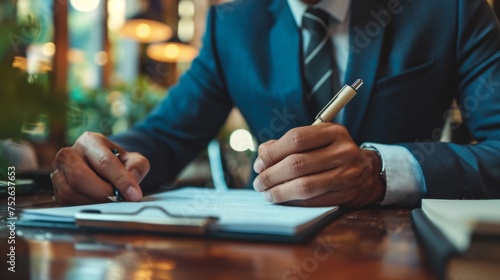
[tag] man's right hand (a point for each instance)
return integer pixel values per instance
(86, 172)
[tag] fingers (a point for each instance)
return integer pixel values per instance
(294, 166)
(97, 150)
(314, 191)
(136, 164)
(87, 172)
(295, 141)
(302, 188)
(259, 164)
(64, 194)
(265, 145)
(75, 182)
(315, 166)
(309, 162)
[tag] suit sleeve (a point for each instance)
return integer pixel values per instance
(470, 171)
(181, 126)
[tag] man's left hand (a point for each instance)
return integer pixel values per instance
(318, 165)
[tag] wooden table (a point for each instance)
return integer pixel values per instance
(361, 244)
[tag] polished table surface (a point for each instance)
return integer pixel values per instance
(369, 243)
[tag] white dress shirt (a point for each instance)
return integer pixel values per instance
(404, 177)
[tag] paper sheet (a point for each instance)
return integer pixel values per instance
(237, 210)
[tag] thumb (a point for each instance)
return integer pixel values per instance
(136, 164)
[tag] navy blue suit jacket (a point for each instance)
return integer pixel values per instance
(413, 65)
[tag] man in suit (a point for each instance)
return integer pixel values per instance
(277, 61)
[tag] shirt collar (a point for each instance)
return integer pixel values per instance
(336, 8)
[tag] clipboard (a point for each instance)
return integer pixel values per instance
(193, 225)
(226, 217)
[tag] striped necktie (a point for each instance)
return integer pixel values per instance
(320, 68)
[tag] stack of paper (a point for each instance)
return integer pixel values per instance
(238, 211)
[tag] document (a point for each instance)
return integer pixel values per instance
(456, 219)
(461, 237)
(236, 211)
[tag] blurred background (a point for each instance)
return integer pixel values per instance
(69, 66)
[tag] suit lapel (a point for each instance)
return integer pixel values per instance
(366, 38)
(285, 56)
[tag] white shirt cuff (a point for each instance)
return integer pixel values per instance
(405, 183)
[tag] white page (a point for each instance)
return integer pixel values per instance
(237, 210)
(455, 217)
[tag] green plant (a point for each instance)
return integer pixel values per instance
(110, 110)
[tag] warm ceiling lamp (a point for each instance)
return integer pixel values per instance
(38, 58)
(172, 52)
(146, 30)
(41, 66)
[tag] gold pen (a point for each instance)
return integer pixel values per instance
(338, 102)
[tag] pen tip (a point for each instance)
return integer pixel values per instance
(357, 84)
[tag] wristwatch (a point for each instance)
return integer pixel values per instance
(382, 173)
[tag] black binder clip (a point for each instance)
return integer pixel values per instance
(132, 221)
